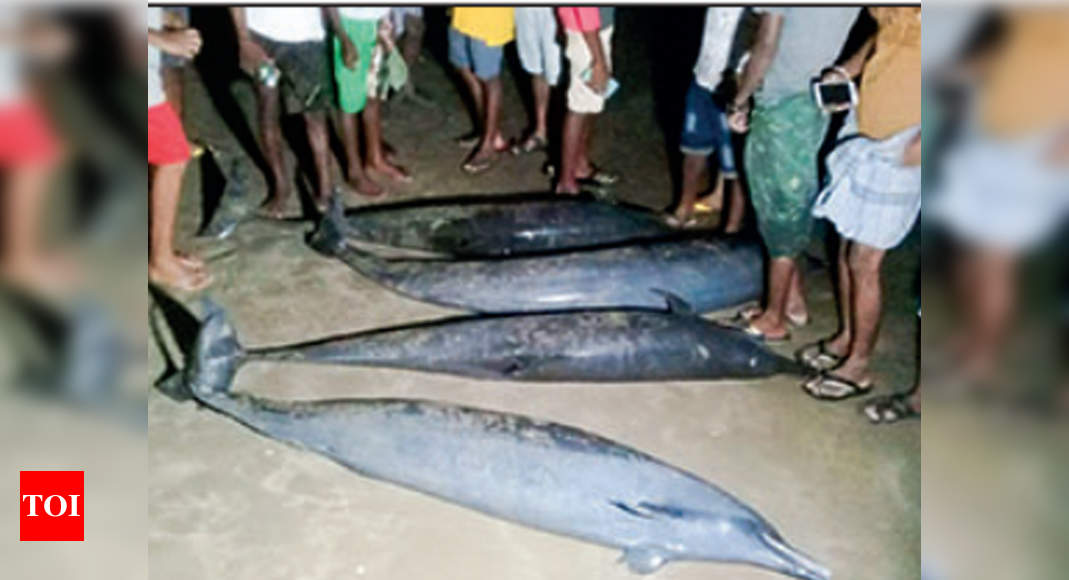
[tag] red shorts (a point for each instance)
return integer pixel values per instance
(167, 143)
(26, 136)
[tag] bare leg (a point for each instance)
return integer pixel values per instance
(736, 207)
(839, 344)
(571, 142)
(412, 43)
(23, 261)
(491, 142)
(695, 174)
(354, 167)
(796, 305)
(583, 167)
(475, 90)
(315, 125)
(271, 142)
(772, 322)
(867, 305)
(541, 106)
(164, 265)
(376, 156)
(991, 311)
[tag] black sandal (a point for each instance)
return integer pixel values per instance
(817, 357)
(890, 409)
(829, 387)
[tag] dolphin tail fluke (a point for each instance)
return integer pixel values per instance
(793, 562)
(216, 354)
(329, 237)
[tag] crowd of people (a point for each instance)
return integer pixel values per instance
(751, 135)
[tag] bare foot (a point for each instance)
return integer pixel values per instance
(172, 274)
(390, 170)
(273, 208)
(364, 185)
(42, 273)
(855, 371)
(769, 328)
(189, 261)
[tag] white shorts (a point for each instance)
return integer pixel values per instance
(581, 98)
(871, 197)
(1002, 193)
(536, 42)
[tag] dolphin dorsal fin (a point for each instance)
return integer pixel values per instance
(644, 559)
(676, 305)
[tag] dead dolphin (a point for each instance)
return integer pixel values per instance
(708, 274)
(485, 226)
(544, 475)
(598, 345)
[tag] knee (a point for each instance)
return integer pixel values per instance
(865, 260)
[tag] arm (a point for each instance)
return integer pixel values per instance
(856, 63)
(184, 42)
(349, 54)
(764, 50)
(250, 54)
(599, 68)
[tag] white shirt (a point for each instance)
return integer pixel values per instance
(287, 24)
(155, 78)
(373, 13)
(717, 41)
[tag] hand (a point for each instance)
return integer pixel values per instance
(349, 55)
(912, 155)
(184, 42)
(739, 116)
(599, 78)
(251, 56)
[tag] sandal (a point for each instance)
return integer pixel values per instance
(532, 144)
(677, 223)
(755, 333)
(829, 387)
(890, 409)
(598, 177)
(477, 165)
(468, 140)
(817, 357)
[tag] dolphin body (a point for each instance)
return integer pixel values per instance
(544, 475)
(708, 274)
(485, 226)
(600, 345)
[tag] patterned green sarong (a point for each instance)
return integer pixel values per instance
(781, 165)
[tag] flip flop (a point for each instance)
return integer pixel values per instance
(468, 140)
(476, 166)
(702, 207)
(532, 144)
(817, 357)
(890, 409)
(752, 331)
(681, 224)
(598, 177)
(829, 387)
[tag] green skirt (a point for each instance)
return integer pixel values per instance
(781, 167)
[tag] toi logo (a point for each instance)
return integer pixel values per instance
(51, 506)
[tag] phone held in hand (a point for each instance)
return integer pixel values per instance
(835, 94)
(610, 87)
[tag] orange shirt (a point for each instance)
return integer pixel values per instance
(1027, 89)
(889, 98)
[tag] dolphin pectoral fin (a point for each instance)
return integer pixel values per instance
(675, 304)
(644, 559)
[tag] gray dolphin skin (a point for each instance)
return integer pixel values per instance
(707, 274)
(608, 345)
(544, 475)
(490, 226)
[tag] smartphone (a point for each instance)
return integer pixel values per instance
(610, 87)
(834, 94)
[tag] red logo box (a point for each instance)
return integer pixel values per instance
(51, 506)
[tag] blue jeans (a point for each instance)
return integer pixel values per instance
(705, 129)
(472, 53)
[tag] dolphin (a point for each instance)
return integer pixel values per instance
(490, 226)
(709, 274)
(596, 345)
(541, 474)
